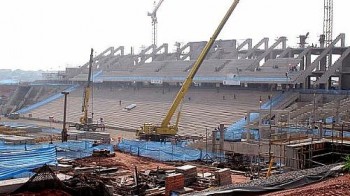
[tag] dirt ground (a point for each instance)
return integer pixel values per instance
(335, 186)
(125, 161)
(128, 162)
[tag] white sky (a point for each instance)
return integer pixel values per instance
(51, 35)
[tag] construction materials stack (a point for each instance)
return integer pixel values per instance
(223, 177)
(189, 172)
(174, 182)
(97, 136)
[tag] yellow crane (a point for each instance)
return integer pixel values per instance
(269, 170)
(154, 132)
(85, 122)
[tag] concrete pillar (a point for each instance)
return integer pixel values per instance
(214, 141)
(277, 119)
(345, 81)
(323, 63)
(308, 59)
(222, 137)
(284, 42)
(248, 126)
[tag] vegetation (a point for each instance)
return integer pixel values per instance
(347, 163)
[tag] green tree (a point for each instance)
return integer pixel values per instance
(347, 163)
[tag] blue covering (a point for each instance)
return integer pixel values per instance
(79, 149)
(9, 81)
(162, 151)
(46, 101)
(18, 162)
(53, 97)
(234, 131)
(94, 76)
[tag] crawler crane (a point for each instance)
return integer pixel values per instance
(165, 130)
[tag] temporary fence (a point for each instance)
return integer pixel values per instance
(15, 163)
(19, 160)
(164, 151)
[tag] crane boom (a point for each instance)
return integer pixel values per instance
(149, 131)
(86, 123)
(90, 67)
(180, 95)
(85, 106)
(154, 12)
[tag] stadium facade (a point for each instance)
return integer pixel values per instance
(247, 64)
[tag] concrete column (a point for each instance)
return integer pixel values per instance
(323, 63)
(222, 137)
(214, 141)
(248, 126)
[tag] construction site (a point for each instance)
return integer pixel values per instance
(216, 117)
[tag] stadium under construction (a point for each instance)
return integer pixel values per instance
(258, 108)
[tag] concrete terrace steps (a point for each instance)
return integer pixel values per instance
(205, 110)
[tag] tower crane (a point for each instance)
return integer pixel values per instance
(156, 132)
(153, 16)
(328, 21)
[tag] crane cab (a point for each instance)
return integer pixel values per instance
(154, 133)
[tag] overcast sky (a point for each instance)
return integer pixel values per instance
(51, 35)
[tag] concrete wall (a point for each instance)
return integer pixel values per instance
(345, 82)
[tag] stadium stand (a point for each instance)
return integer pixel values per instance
(151, 78)
(202, 108)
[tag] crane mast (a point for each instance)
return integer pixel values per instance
(87, 91)
(149, 130)
(84, 122)
(153, 16)
(328, 21)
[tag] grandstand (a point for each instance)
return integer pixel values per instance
(246, 64)
(228, 84)
(202, 108)
(257, 100)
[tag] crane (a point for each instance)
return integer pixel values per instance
(153, 132)
(328, 21)
(153, 16)
(85, 122)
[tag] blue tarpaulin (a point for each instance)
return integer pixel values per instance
(19, 160)
(234, 131)
(164, 151)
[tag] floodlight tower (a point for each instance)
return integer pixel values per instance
(153, 16)
(328, 21)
